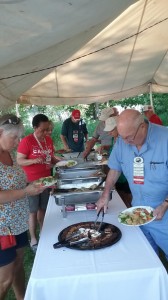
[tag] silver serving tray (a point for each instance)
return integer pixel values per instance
(79, 182)
(79, 197)
(81, 165)
(78, 155)
(80, 173)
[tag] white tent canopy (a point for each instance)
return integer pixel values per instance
(89, 50)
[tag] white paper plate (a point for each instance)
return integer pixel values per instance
(123, 216)
(46, 181)
(66, 163)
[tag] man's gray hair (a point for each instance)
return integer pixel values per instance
(139, 120)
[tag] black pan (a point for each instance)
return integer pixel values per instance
(110, 234)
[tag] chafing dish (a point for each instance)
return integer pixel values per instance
(77, 198)
(79, 182)
(75, 172)
(74, 155)
(85, 176)
(81, 165)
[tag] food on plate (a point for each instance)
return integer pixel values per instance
(66, 163)
(45, 181)
(71, 163)
(137, 216)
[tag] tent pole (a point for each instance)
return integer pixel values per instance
(96, 110)
(17, 109)
(150, 93)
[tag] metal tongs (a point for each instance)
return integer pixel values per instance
(102, 218)
(69, 242)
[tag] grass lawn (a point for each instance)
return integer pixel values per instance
(28, 263)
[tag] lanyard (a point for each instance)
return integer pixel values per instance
(41, 147)
(46, 152)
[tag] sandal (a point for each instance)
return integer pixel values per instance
(34, 247)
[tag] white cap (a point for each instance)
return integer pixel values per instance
(110, 124)
(106, 113)
(147, 107)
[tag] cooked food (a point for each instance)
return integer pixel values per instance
(137, 216)
(84, 189)
(45, 181)
(71, 163)
(95, 239)
(98, 173)
(81, 189)
(88, 232)
(93, 187)
(66, 163)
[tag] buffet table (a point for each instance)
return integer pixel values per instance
(127, 270)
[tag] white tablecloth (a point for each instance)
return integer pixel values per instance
(128, 270)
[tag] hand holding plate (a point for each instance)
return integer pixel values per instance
(32, 190)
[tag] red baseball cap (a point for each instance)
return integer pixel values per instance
(76, 114)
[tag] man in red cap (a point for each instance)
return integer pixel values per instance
(73, 132)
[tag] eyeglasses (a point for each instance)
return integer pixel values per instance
(131, 139)
(13, 121)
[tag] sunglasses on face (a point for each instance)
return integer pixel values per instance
(13, 121)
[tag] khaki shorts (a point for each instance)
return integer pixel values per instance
(39, 201)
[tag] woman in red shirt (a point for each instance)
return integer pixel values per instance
(36, 156)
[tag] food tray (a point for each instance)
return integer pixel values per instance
(79, 182)
(74, 155)
(80, 173)
(78, 198)
(81, 164)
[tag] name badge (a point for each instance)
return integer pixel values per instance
(75, 135)
(138, 170)
(48, 158)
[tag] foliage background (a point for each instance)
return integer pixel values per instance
(89, 112)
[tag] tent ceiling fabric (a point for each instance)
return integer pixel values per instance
(101, 50)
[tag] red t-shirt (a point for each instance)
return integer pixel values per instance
(155, 119)
(30, 147)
